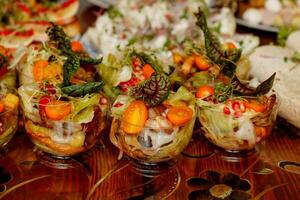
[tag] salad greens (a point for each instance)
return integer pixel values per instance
(82, 89)
(59, 38)
(224, 58)
(182, 94)
(84, 108)
(153, 91)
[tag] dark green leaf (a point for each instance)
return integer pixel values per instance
(90, 61)
(82, 89)
(59, 37)
(214, 51)
(153, 91)
(70, 67)
(265, 86)
(147, 59)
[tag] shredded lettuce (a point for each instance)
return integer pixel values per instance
(182, 94)
(123, 101)
(201, 78)
(83, 111)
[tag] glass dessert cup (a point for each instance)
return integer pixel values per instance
(8, 118)
(236, 133)
(154, 148)
(60, 138)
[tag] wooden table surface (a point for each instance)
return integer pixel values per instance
(271, 172)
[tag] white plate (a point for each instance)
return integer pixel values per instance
(261, 27)
(102, 3)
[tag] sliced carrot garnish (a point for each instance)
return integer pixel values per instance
(135, 117)
(38, 69)
(148, 71)
(201, 62)
(255, 105)
(57, 110)
(204, 91)
(180, 115)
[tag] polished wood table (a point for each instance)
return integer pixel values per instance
(270, 172)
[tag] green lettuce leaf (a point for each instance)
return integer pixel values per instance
(83, 108)
(182, 94)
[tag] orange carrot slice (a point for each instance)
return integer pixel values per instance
(57, 110)
(201, 62)
(204, 91)
(38, 69)
(255, 105)
(179, 115)
(135, 117)
(148, 71)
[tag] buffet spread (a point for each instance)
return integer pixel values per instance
(149, 75)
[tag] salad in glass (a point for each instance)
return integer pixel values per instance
(64, 112)
(234, 115)
(150, 122)
(9, 101)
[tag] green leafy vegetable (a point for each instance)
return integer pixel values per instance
(82, 106)
(223, 92)
(182, 94)
(71, 65)
(243, 90)
(153, 91)
(283, 34)
(90, 61)
(59, 37)
(265, 86)
(82, 89)
(225, 58)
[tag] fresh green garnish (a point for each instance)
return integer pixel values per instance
(224, 58)
(242, 90)
(223, 91)
(82, 89)
(70, 67)
(63, 43)
(296, 57)
(153, 91)
(283, 34)
(113, 12)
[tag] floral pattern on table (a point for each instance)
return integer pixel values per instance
(214, 185)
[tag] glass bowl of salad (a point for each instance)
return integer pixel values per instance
(60, 124)
(9, 111)
(152, 134)
(239, 122)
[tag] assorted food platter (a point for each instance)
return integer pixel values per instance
(139, 73)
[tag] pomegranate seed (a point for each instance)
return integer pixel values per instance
(226, 110)
(237, 114)
(236, 105)
(136, 62)
(44, 101)
(118, 105)
(103, 101)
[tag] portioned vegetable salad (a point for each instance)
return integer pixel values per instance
(63, 107)
(233, 115)
(9, 110)
(150, 122)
